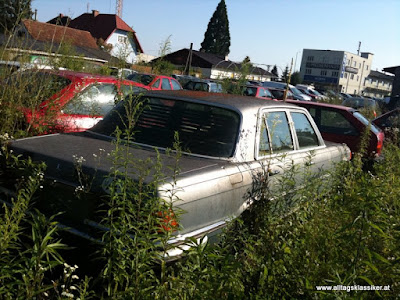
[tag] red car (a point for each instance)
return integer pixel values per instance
(74, 101)
(156, 82)
(342, 124)
(258, 92)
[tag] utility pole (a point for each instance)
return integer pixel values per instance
(288, 82)
(118, 9)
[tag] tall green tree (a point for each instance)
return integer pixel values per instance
(285, 74)
(275, 71)
(12, 12)
(217, 39)
(295, 78)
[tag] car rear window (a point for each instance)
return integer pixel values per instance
(145, 79)
(365, 121)
(203, 129)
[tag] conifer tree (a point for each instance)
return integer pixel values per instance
(217, 39)
(275, 71)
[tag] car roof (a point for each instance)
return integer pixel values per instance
(321, 104)
(230, 100)
(68, 73)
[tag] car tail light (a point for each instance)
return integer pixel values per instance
(167, 220)
(379, 143)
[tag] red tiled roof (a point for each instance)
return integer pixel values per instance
(102, 25)
(45, 32)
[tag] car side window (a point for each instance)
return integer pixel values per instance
(267, 93)
(165, 84)
(175, 85)
(264, 144)
(279, 131)
(94, 100)
(157, 83)
(334, 122)
(306, 135)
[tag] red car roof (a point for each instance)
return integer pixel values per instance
(310, 103)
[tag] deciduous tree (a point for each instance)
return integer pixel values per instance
(12, 12)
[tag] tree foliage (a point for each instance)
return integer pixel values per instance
(217, 39)
(275, 71)
(295, 78)
(285, 74)
(12, 12)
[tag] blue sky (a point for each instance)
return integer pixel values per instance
(270, 32)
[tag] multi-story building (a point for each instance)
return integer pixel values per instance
(378, 84)
(339, 70)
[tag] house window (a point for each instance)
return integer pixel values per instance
(355, 64)
(310, 58)
(345, 75)
(323, 72)
(366, 67)
(352, 76)
(335, 73)
(358, 77)
(308, 71)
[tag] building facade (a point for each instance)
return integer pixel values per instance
(338, 70)
(378, 85)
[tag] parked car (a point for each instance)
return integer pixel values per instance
(121, 73)
(361, 102)
(218, 167)
(388, 120)
(156, 82)
(297, 95)
(389, 123)
(69, 101)
(310, 91)
(183, 79)
(258, 92)
(331, 94)
(342, 124)
(278, 93)
(203, 85)
(345, 95)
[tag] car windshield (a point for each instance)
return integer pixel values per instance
(315, 92)
(203, 129)
(365, 121)
(145, 79)
(295, 91)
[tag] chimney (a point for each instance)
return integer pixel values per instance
(226, 58)
(95, 12)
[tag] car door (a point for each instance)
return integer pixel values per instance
(336, 127)
(288, 139)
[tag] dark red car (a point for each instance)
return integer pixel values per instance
(69, 101)
(342, 124)
(156, 82)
